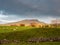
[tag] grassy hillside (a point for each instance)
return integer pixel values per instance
(25, 33)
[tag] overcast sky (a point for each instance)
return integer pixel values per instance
(15, 10)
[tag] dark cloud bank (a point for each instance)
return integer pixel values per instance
(31, 8)
(21, 7)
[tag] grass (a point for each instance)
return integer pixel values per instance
(25, 33)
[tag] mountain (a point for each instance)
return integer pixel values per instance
(27, 22)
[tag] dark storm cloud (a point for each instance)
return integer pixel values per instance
(26, 7)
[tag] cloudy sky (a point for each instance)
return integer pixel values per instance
(15, 10)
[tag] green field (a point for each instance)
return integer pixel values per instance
(22, 34)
